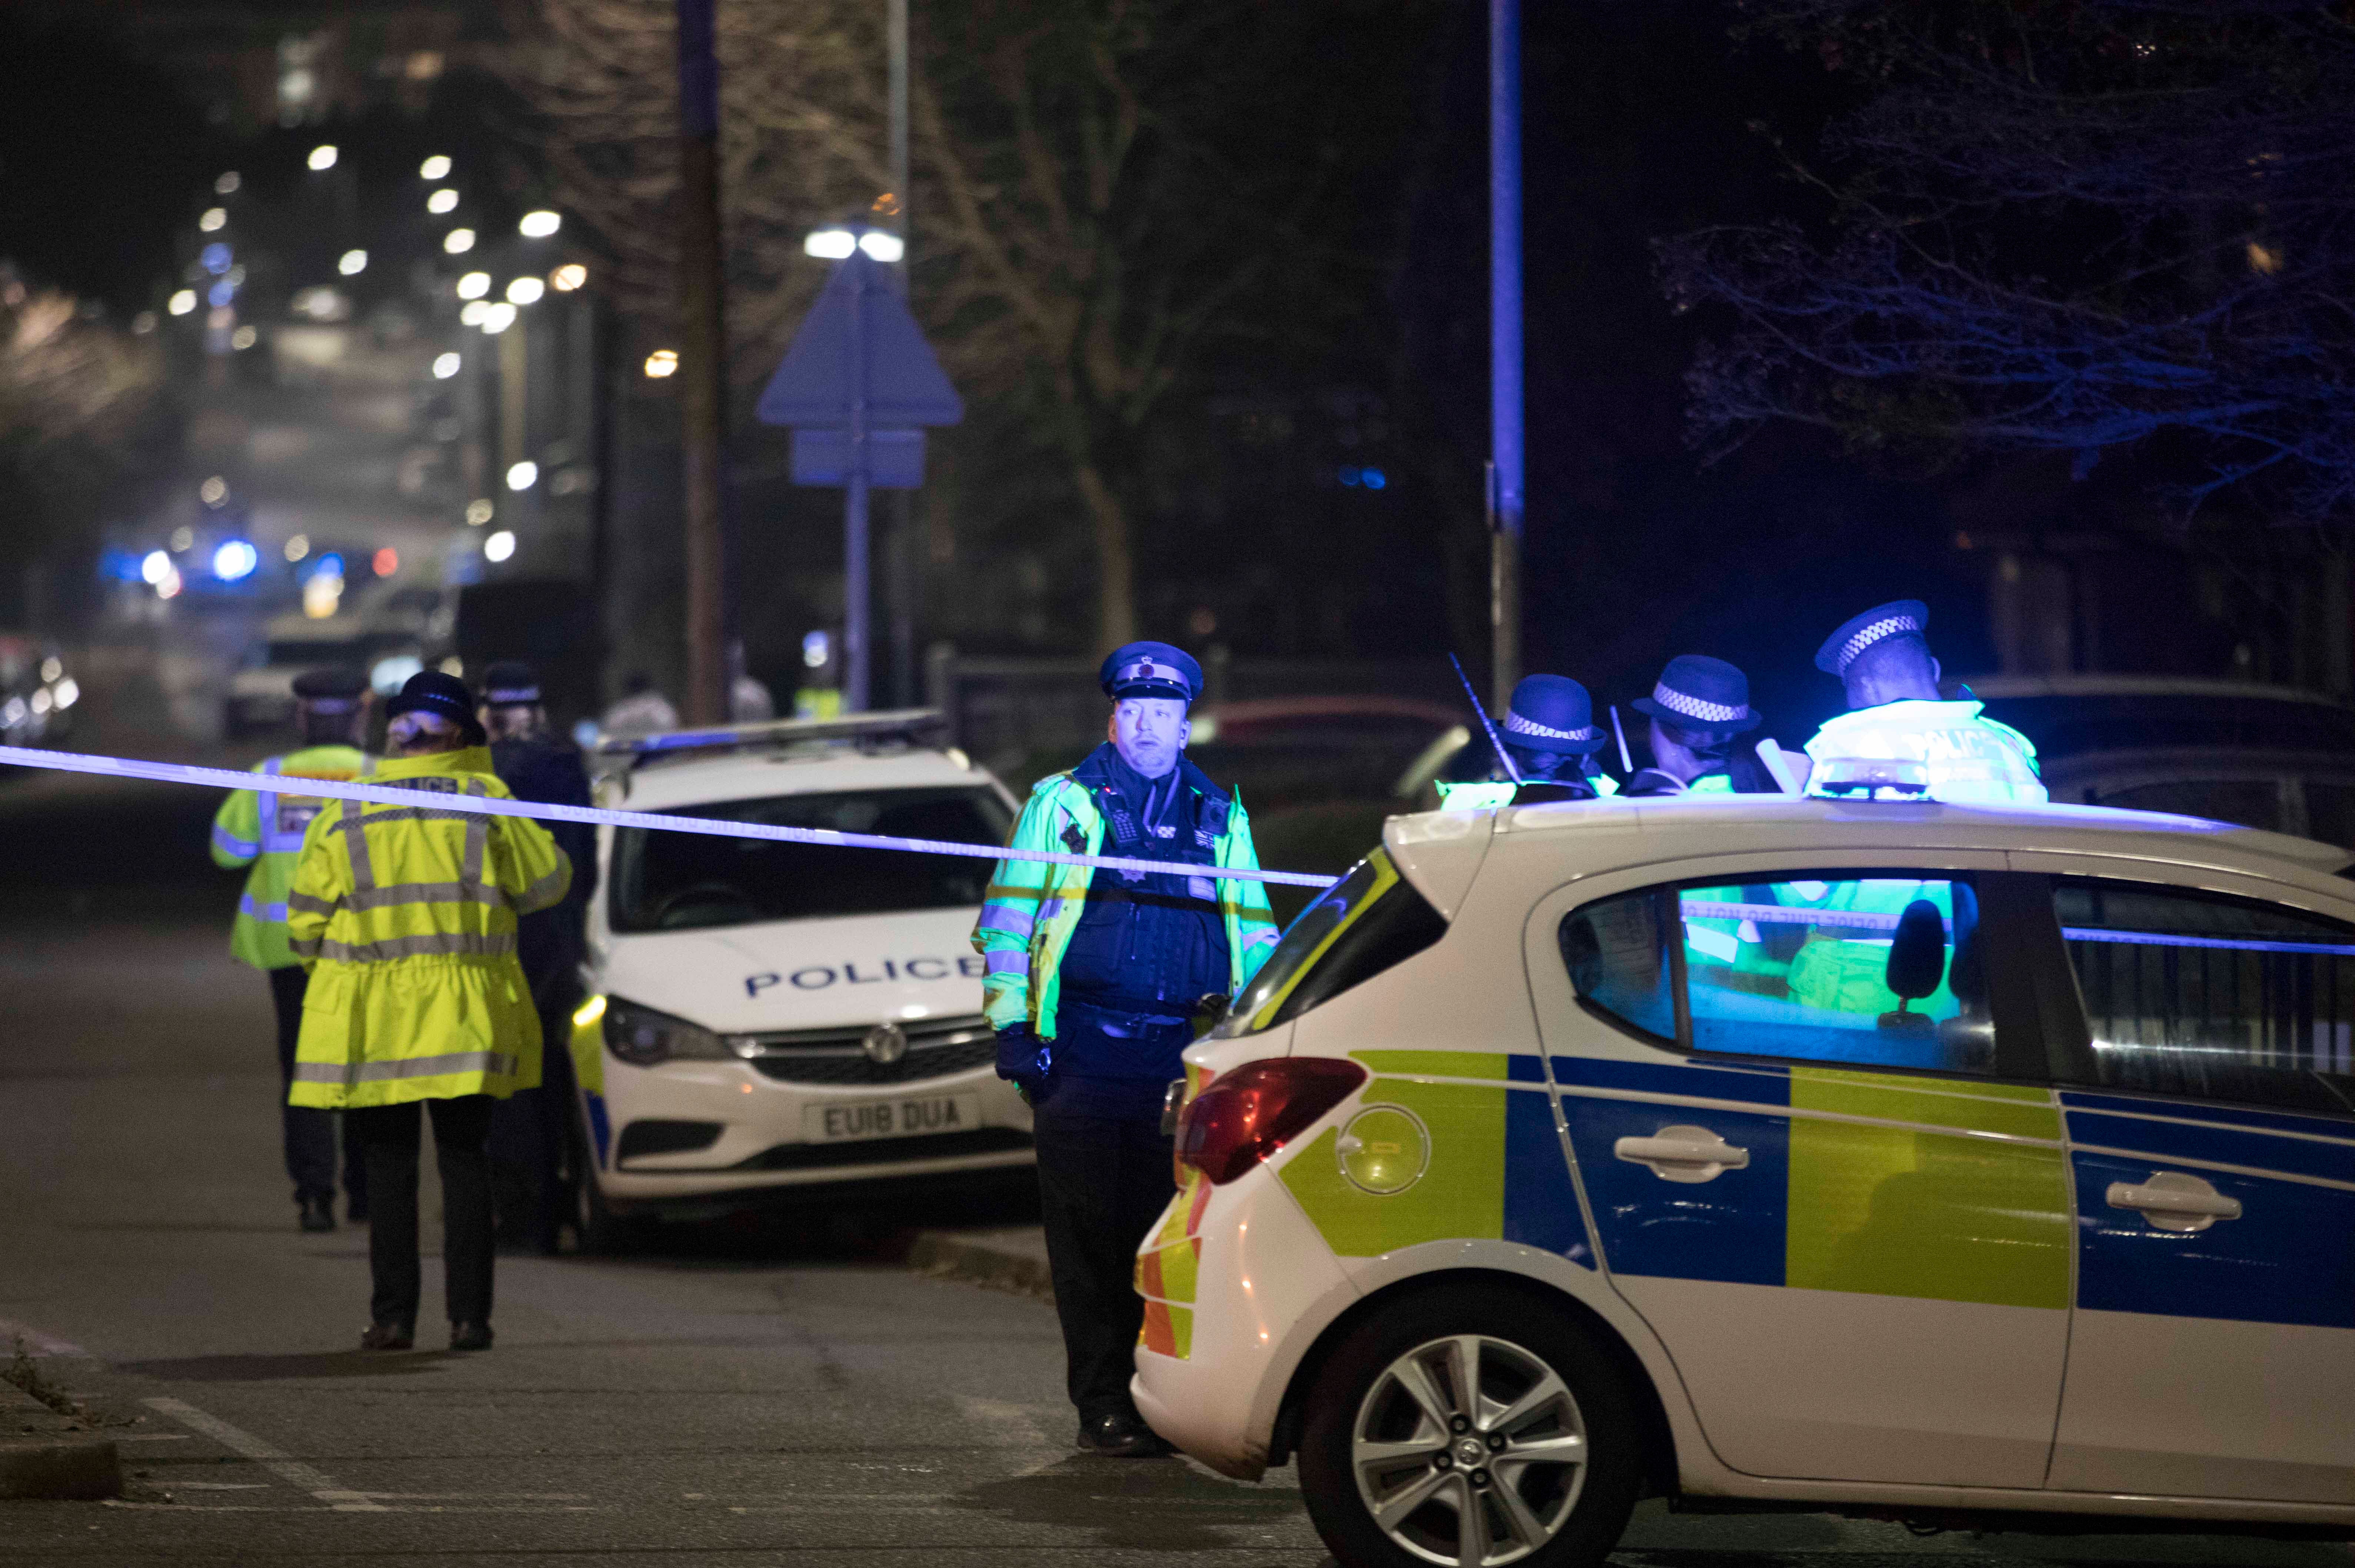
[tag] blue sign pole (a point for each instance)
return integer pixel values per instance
(855, 590)
(1505, 401)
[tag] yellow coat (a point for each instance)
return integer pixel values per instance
(406, 916)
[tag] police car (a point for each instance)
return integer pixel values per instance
(1924, 1161)
(765, 1016)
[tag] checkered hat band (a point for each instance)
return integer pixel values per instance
(504, 696)
(326, 705)
(1872, 633)
(1145, 669)
(1676, 701)
(1520, 726)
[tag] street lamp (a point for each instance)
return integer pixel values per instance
(458, 241)
(322, 157)
(227, 185)
(568, 277)
(526, 290)
(662, 362)
(445, 366)
(213, 219)
(473, 312)
(352, 262)
(497, 318)
(441, 201)
(433, 168)
(473, 285)
(182, 303)
(499, 546)
(523, 475)
(539, 225)
(836, 244)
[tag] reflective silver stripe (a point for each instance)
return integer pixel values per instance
(246, 906)
(224, 839)
(1008, 918)
(432, 945)
(1004, 963)
(478, 834)
(380, 814)
(427, 893)
(303, 949)
(310, 905)
(356, 847)
(545, 893)
(496, 1063)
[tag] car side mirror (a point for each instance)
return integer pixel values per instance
(1917, 962)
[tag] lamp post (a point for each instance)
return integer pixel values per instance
(1505, 403)
(702, 366)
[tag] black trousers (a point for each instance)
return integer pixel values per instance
(1103, 1181)
(309, 1134)
(530, 1139)
(391, 1134)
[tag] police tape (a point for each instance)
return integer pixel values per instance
(719, 827)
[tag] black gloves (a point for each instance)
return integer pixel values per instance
(1020, 1060)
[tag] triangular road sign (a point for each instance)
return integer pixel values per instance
(813, 387)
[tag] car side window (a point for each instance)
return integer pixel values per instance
(2199, 993)
(1877, 970)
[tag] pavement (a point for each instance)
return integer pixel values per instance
(831, 1388)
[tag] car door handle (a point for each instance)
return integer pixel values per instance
(1683, 1154)
(2173, 1200)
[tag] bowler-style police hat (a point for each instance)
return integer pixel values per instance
(337, 690)
(1552, 713)
(1151, 669)
(431, 692)
(1698, 692)
(510, 682)
(1895, 619)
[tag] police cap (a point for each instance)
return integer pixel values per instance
(510, 682)
(431, 692)
(1895, 619)
(1552, 713)
(336, 689)
(1151, 669)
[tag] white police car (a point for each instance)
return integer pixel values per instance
(1903, 1159)
(765, 1016)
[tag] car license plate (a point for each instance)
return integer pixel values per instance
(908, 1115)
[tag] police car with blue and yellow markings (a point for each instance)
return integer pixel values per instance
(765, 1016)
(1898, 1158)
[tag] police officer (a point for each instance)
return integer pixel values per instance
(529, 1130)
(265, 831)
(1699, 712)
(1093, 979)
(1548, 732)
(1901, 737)
(408, 915)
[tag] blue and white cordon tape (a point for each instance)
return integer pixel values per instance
(718, 827)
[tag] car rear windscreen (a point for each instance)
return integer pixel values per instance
(678, 881)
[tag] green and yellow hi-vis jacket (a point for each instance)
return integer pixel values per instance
(1034, 906)
(406, 915)
(265, 831)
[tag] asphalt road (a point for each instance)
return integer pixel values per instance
(743, 1395)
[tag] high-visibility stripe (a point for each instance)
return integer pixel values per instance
(356, 847)
(309, 904)
(497, 1063)
(437, 944)
(223, 840)
(1007, 919)
(545, 893)
(1002, 962)
(401, 894)
(543, 811)
(246, 906)
(303, 948)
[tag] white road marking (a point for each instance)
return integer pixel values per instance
(39, 1343)
(222, 1486)
(156, 1438)
(276, 1461)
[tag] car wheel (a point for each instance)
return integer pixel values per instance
(1470, 1428)
(599, 1228)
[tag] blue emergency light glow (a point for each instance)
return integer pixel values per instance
(235, 560)
(381, 795)
(328, 565)
(221, 293)
(216, 258)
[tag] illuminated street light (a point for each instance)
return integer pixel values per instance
(497, 318)
(445, 366)
(882, 247)
(298, 547)
(523, 475)
(499, 546)
(243, 339)
(539, 225)
(830, 244)
(227, 185)
(441, 201)
(568, 277)
(478, 512)
(473, 285)
(434, 168)
(525, 291)
(322, 157)
(182, 303)
(458, 241)
(473, 314)
(214, 490)
(352, 262)
(235, 560)
(662, 362)
(213, 219)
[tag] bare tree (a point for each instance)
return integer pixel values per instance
(2088, 226)
(1095, 190)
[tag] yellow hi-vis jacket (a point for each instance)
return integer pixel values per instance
(265, 831)
(406, 915)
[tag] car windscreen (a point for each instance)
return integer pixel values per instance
(677, 881)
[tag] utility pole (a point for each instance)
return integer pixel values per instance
(900, 561)
(703, 367)
(1505, 451)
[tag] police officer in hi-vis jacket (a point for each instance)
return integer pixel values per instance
(1094, 975)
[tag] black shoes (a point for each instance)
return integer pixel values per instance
(388, 1337)
(1120, 1435)
(470, 1336)
(318, 1213)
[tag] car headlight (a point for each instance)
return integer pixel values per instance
(642, 1036)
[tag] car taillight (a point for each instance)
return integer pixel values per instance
(1246, 1115)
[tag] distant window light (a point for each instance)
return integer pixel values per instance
(473, 285)
(478, 512)
(568, 277)
(214, 218)
(662, 362)
(523, 475)
(882, 247)
(352, 262)
(830, 244)
(539, 225)
(458, 241)
(298, 547)
(441, 201)
(499, 546)
(243, 339)
(227, 185)
(183, 537)
(446, 366)
(423, 65)
(322, 157)
(525, 291)
(434, 168)
(213, 491)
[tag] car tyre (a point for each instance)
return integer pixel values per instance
(1538, 1468)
